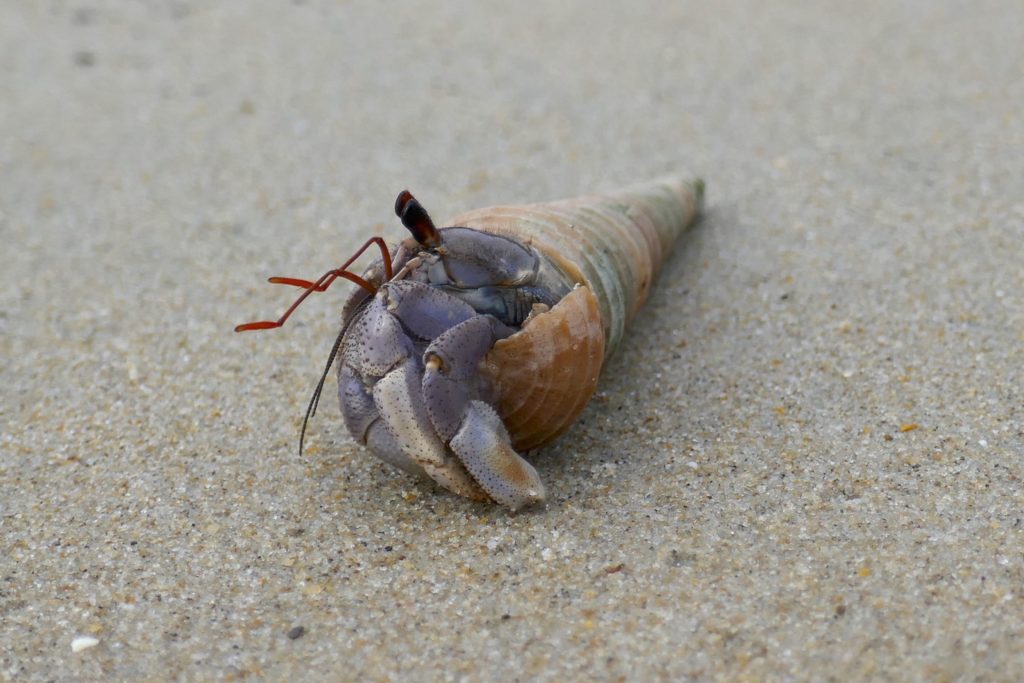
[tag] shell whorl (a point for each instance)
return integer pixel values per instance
(613, 243)
(613, 246)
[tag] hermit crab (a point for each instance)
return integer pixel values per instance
(472, 344)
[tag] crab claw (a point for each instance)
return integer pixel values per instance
(471, 428)
(483, 446)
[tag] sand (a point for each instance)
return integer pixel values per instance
(805, 462)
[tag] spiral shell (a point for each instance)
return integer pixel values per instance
(612, 246)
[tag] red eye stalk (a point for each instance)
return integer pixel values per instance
(323, 283)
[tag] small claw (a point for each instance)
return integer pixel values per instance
(483, 446)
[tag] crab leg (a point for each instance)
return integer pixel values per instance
(400, 405)
(363, 421)
(387, 353)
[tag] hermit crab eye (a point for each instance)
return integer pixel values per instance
(416, 220)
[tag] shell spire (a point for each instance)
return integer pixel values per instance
(612, 246)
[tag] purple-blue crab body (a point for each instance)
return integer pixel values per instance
(409, 385)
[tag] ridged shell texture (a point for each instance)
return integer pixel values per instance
(613, 246)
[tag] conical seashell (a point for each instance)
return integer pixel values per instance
(612, 246)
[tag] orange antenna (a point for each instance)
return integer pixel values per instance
(323, 283)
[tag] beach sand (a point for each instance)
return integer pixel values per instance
(804, 463)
